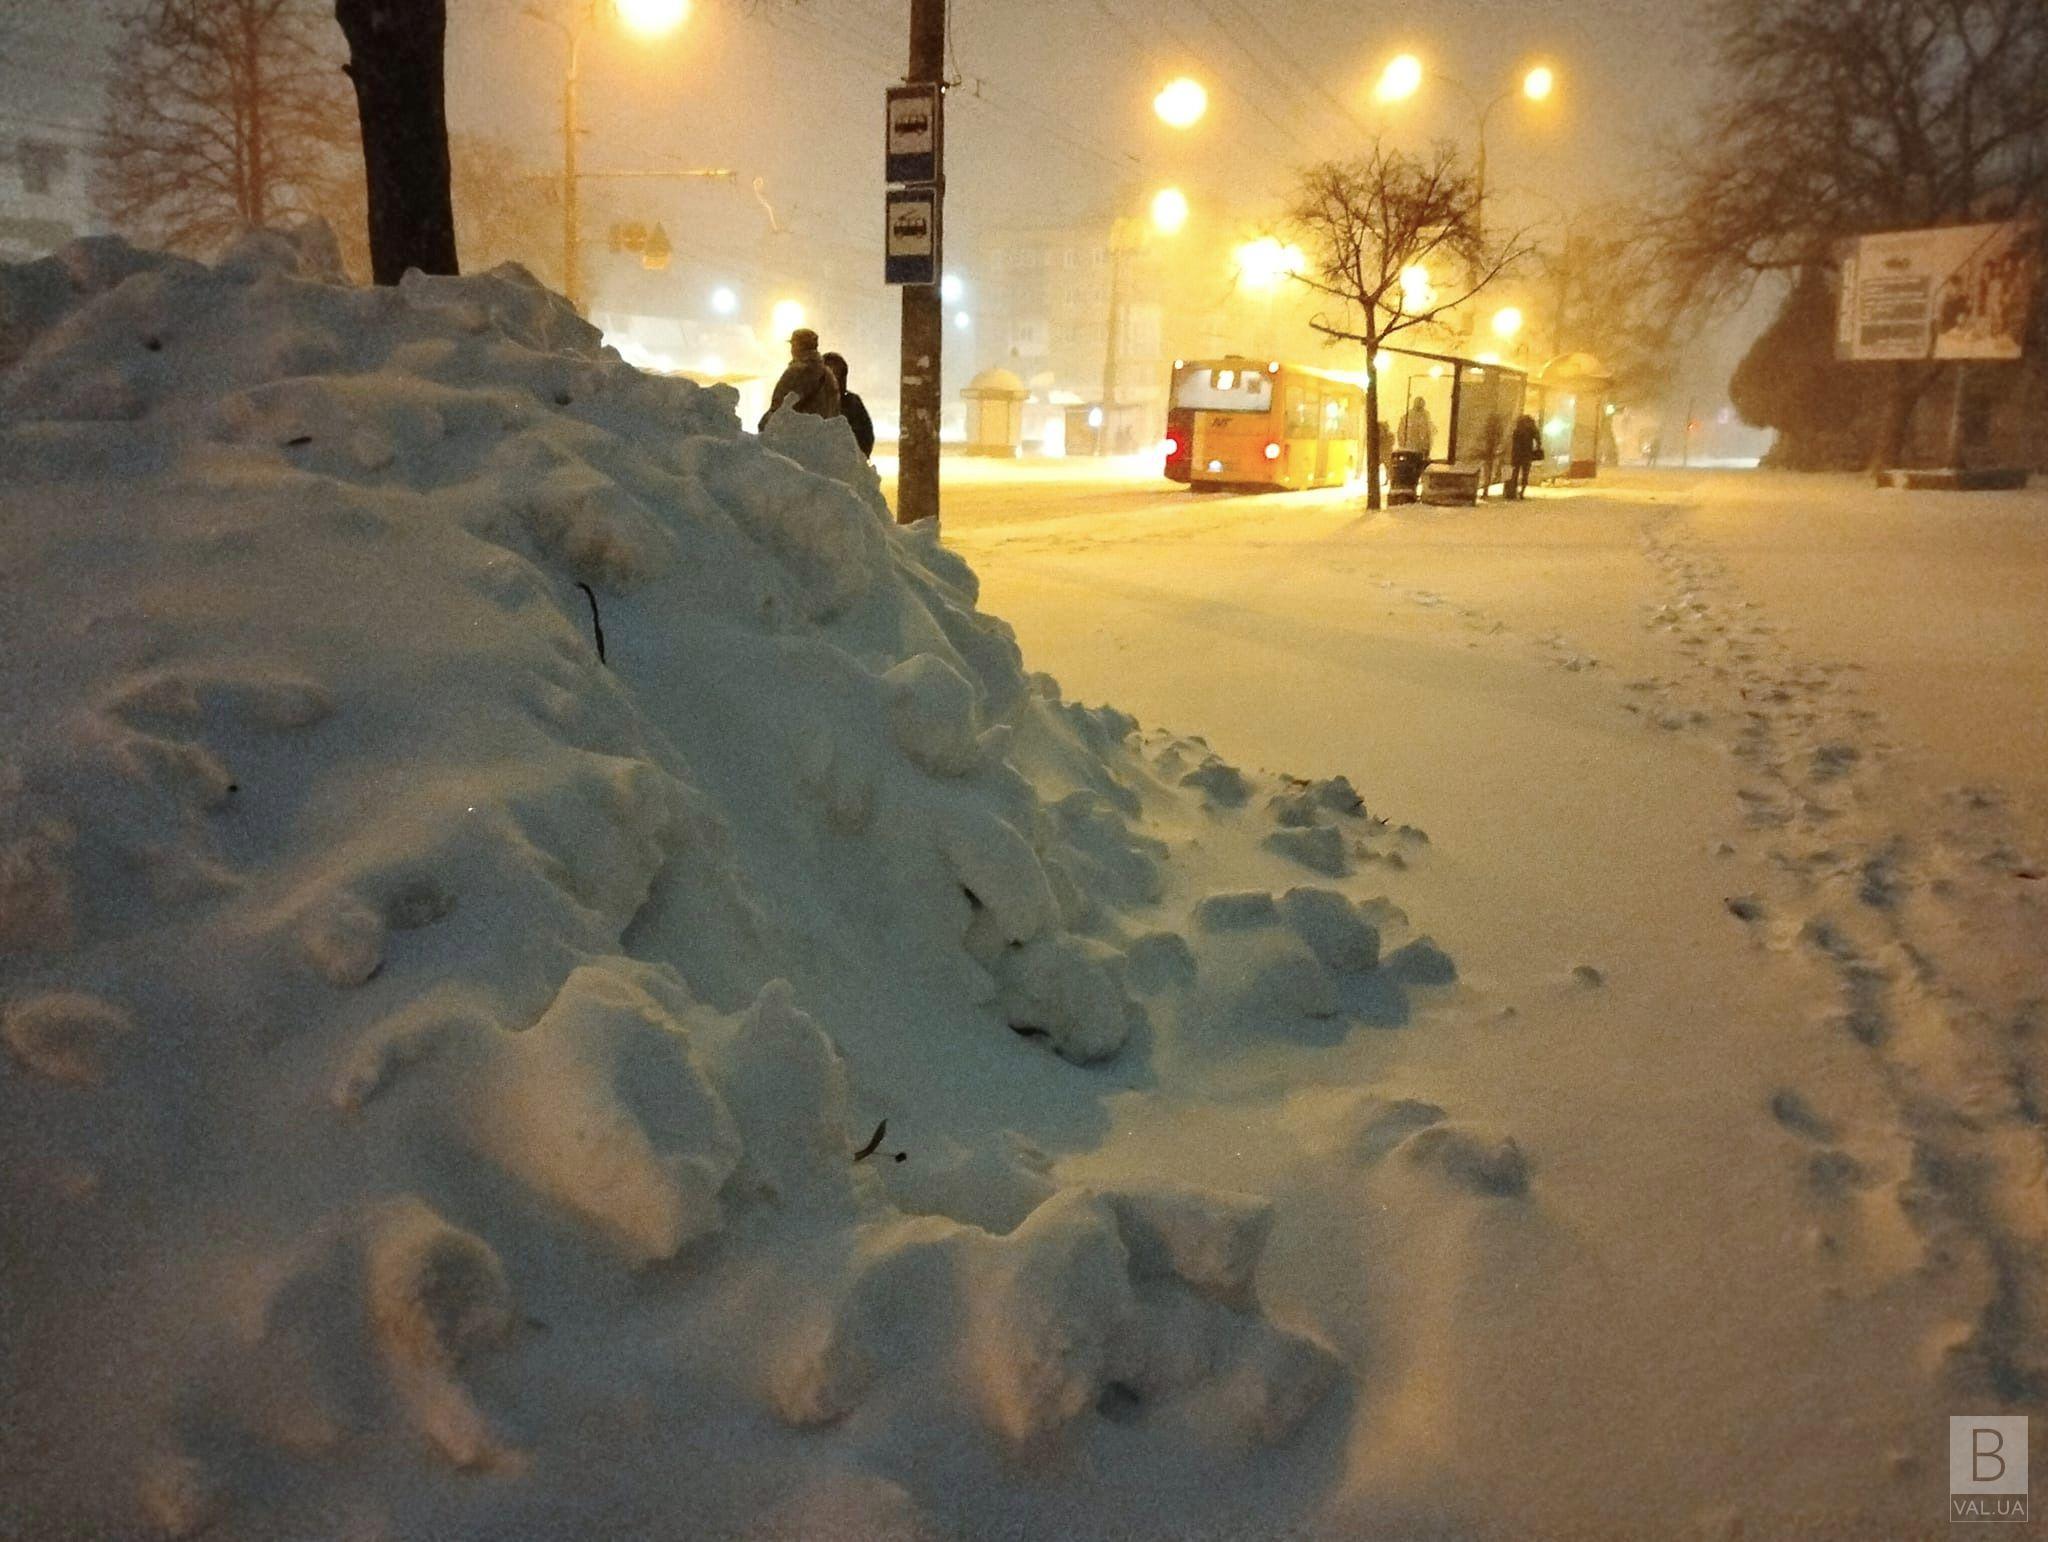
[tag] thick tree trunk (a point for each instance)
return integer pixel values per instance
(395, 59)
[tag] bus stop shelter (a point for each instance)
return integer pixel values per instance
(1468, 409)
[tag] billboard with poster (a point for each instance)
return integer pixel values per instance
(1956, 292)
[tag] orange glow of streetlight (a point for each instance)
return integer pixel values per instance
(1416, 290)
(1169, 210)
(1401, 79)
(1263, 263)
(1507, 321)
(651, 18)
(1181, 102)
(1539, 83)
(786, 317)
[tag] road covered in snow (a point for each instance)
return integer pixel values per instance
(1737, 818)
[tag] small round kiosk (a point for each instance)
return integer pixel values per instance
(995, 413)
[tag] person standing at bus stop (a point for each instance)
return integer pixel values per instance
(851, 407)
(806, 385)
(1417, 432)
(1522, 453)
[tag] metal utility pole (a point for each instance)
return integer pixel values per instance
(924, 332)
(572, 232)
(1112, 353)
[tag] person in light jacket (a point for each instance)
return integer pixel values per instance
(806, 386)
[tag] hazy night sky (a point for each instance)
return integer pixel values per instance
(1053, 122)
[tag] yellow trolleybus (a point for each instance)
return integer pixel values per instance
(1257, 423)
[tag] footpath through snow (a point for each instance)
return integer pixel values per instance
(1740, 830)
(485, 845)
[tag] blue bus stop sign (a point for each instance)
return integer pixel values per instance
(911, 241)
(916, 133)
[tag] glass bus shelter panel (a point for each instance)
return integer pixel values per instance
(1489, 401)
(1433, 391)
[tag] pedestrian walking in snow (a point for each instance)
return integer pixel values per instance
(1522, 453)
(851, 407)
(806, 385)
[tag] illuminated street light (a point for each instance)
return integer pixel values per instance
(1263, 263)
(646, 18)
(951, 288)
(962, 320)
(652, 18)
(1507, 321)
(724, 301)
(1416, 290)
(1169, 210)
(1401, 79)
(787, 316)
(1181, 103)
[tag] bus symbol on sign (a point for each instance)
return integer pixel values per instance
(911, 249)
(914, 125)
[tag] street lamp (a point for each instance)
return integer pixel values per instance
(1181, 103)
(647, 18)
(951, 288)
(1169, 217)
(724, 301)
(786, 317)
(1507, 321)
(1169, 211)
(652, 18)
(1261, 264)
(1402, 78)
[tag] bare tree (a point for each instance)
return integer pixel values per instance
(507, 208)
(1838, 119)
(222, 115)
(1598, 289)
(396, 50)
(1374, 226)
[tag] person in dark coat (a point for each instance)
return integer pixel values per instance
(1522, 452)
(806, 386)
(851, 407)
(1489, 454)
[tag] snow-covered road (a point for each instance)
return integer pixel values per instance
(1735, 797)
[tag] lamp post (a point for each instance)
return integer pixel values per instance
(1126, 235)
(649, 18)
(1403, 77)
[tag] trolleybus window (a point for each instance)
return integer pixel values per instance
(1220, 389)
(1301, 414)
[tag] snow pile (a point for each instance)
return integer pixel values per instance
(436, 1040)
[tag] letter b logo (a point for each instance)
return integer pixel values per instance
(1986, 1465)
(1987, 1456)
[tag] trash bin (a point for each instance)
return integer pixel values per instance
(1404, 473)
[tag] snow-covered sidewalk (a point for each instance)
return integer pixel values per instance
(1737, 815)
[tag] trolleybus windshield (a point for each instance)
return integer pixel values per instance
(1221, 388)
